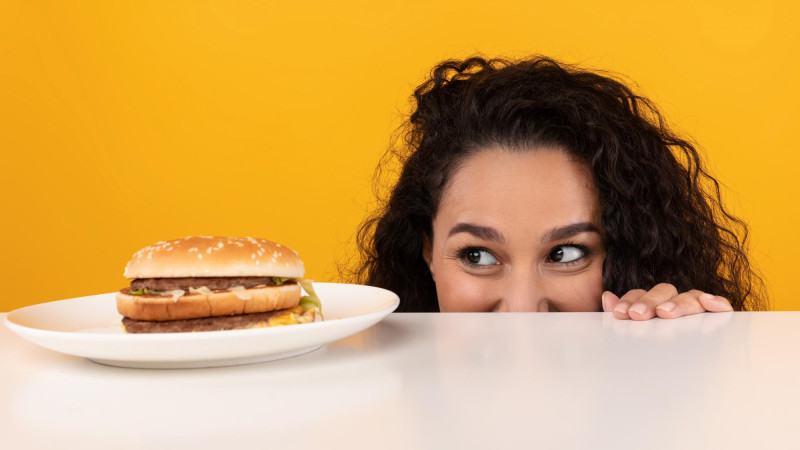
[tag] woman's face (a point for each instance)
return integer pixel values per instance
(518, 231)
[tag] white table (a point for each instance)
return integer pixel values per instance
(436, 381)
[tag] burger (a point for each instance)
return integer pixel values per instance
(210, 283)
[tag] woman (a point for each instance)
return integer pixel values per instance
(534, 185)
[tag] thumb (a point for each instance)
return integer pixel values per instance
(609, 301)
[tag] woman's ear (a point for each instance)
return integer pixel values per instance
(426, 254)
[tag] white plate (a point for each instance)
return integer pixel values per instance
(90, 327)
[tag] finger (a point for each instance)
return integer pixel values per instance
(684, 304)
(609, 300)
(645, 307)
(715, 303)
(692, 302)
(621, 308)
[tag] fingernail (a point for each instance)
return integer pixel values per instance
(638, 308)
(621, 308)
(603, 301)
(706, 297)
(666, 306)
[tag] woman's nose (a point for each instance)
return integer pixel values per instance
(525, 293)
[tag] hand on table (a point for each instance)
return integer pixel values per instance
(664, 301)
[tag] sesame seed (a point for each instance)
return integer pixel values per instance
(258, 263)
(253, 256)
(199, 256)
(209, 250)
(220, 245)
(274, 260)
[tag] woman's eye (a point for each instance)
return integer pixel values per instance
(478, 257)
(566, 254)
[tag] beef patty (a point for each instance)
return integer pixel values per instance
(213, 283)
(214, 323)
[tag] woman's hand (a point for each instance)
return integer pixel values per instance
(664, 301)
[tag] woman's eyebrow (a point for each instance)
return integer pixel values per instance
(560, 233)
(479, 231)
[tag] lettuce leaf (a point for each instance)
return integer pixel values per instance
(310, 301)
(279, 281)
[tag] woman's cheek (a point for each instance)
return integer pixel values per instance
(460, 291)
(579, 293)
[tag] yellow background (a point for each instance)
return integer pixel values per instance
(124, 123)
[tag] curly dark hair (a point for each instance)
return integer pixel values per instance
(662, 215)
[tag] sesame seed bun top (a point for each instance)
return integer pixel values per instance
(215, 256)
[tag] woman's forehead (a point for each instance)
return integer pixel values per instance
(536, 189)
